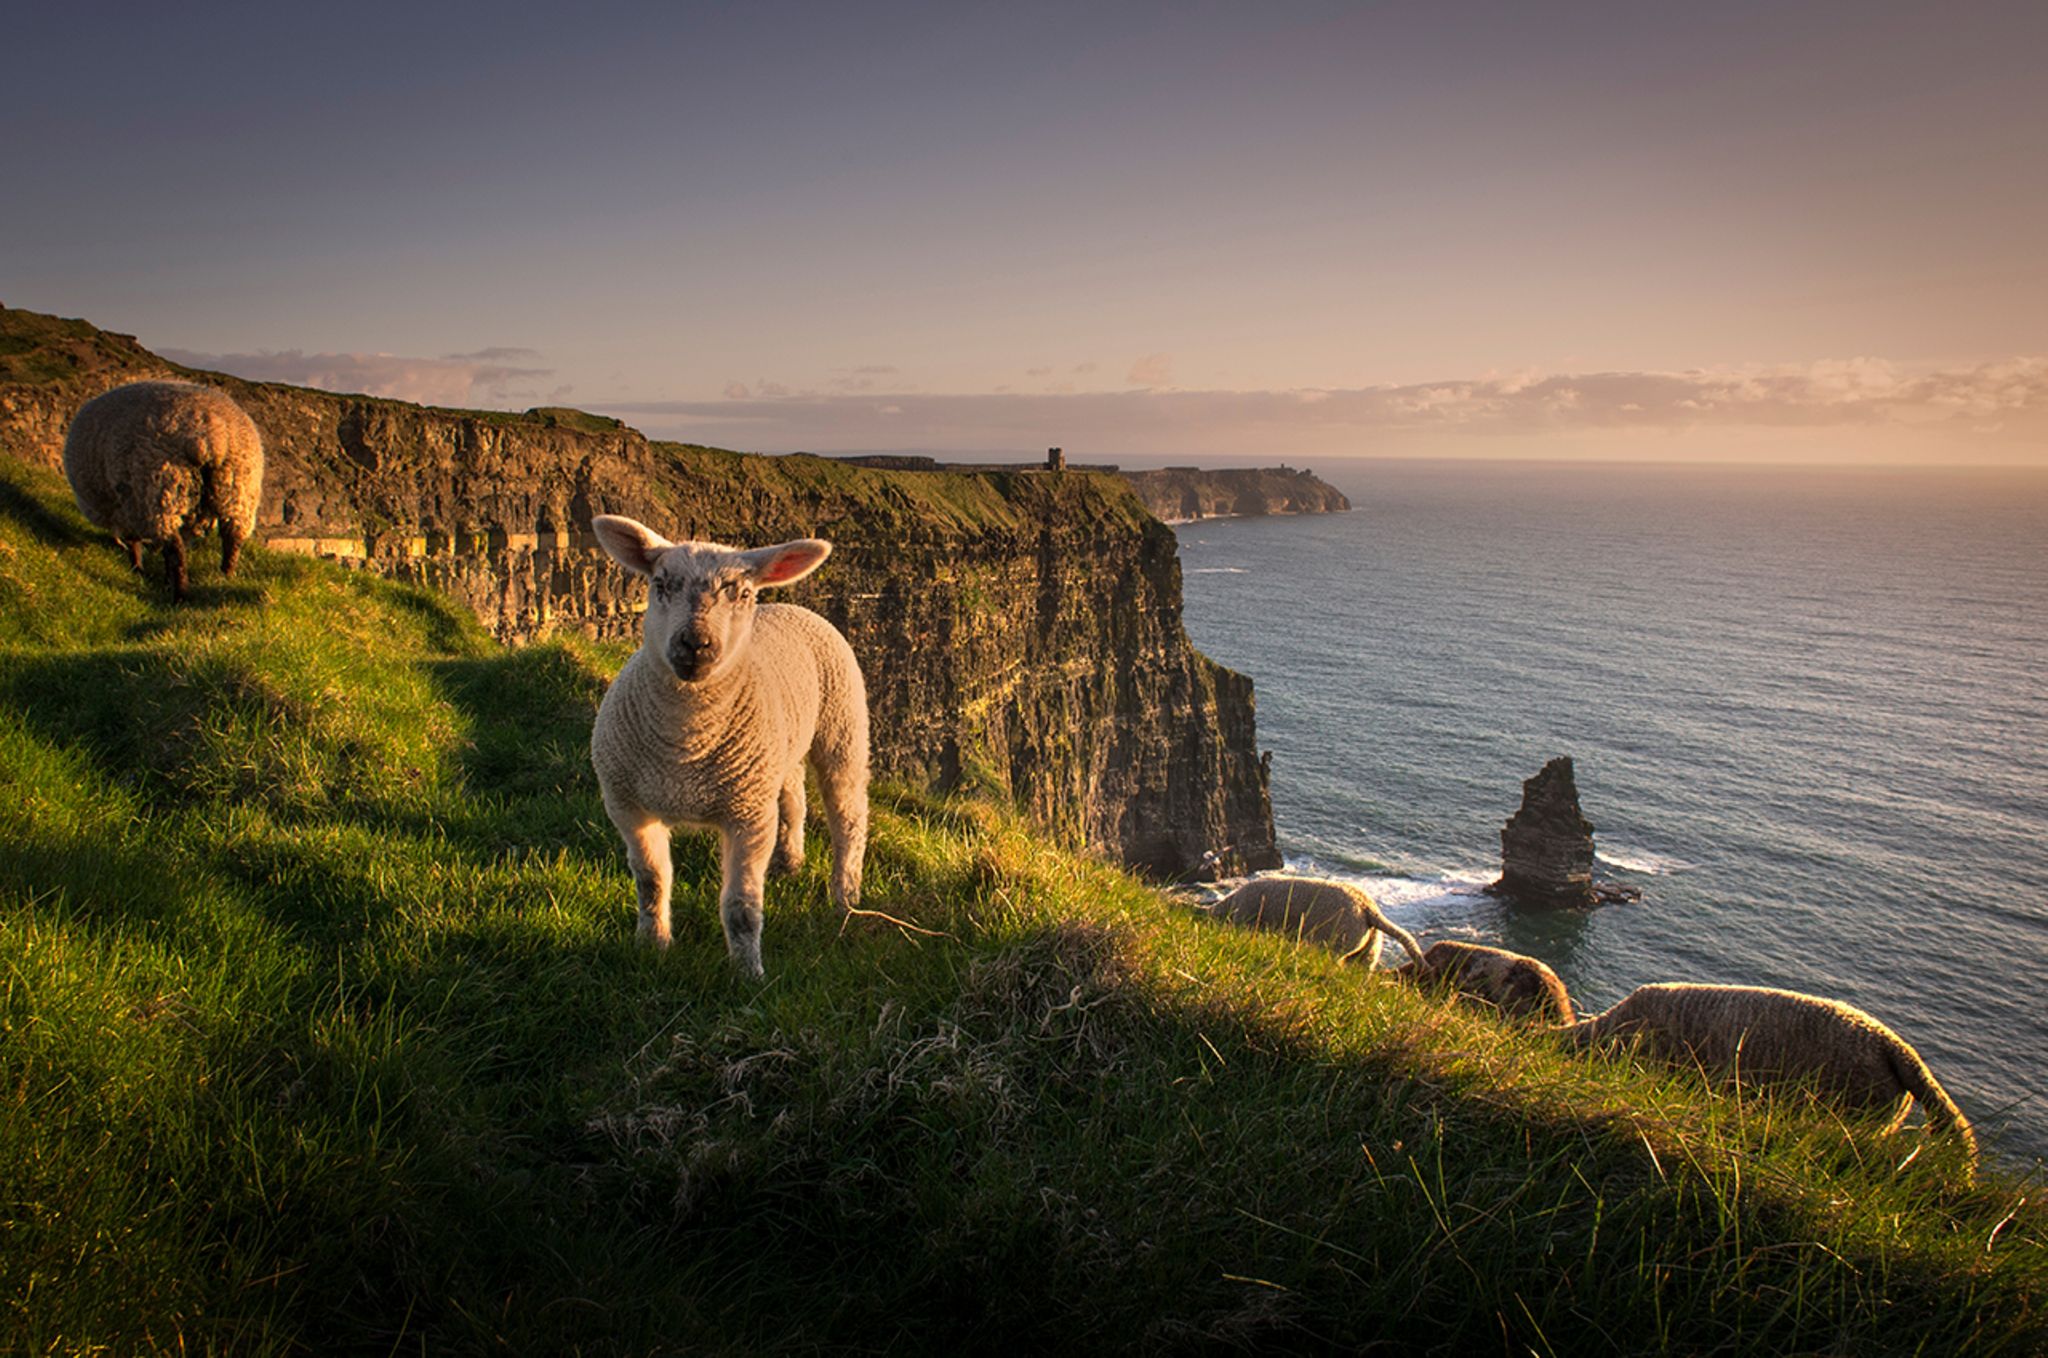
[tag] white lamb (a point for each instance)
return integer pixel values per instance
(154, 461)
(1778, 1036)
(711, 721)
(1335, 914)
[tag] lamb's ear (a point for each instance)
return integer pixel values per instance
(786, 562)
(629, 542)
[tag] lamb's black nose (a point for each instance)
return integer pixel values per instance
(683, 655)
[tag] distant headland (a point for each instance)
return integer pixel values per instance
(1173, 494)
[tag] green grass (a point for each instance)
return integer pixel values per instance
(322, 1030)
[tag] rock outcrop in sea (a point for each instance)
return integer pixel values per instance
(1020, 629)
(1546, 847)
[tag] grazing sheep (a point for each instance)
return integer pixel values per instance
(1336, 914)
(1515, 984)
(154, 461)
(1783, 1037)
(711, 720)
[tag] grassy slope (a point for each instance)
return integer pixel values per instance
(322, 1029)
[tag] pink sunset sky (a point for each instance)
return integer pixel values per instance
(1213, 233)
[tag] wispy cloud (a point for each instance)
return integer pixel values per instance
(1153, 370)
(495, 376)
(2010, 396)
(866, 377)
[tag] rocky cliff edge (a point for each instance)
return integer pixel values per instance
(1019, 628)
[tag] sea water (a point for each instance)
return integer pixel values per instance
(1808, 710)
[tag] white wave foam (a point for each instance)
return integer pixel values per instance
(1634, 860)
(1397, 890)
(1217, 570)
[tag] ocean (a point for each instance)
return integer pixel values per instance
(1808, 710)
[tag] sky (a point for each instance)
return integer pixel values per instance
(1202, 232)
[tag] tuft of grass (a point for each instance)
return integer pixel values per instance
(322, 1028)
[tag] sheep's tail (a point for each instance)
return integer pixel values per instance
(1400, 936)
(1942, 1113)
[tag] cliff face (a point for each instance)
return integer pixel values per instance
(1019, 628)
(1179, 494)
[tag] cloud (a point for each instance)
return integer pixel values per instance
(2009, 397)
(1038, 372)
(497, 354)
(865, 378)
(737, 391)
(1153, 370)
(482, 378)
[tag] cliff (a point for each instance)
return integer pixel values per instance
(1179, 494)
(1018, 629)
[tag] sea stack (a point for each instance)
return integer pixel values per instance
(1546, 848)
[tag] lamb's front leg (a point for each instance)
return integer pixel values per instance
(747, 847)
(647, 853)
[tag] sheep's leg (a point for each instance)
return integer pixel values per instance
(230, 547)
(747, 848)
(174, 566)
(134, 546)
(653, 872)
(789, 841)
(846, 815)
(1366, 953)
(1898, 1118)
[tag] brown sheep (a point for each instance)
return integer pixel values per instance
(1781, 1036)
(154, 461)
(1516, 985)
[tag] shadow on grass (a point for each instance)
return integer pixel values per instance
(1085, 1161)
(448, 627)
(128, 712)
(52, 528)
(528, 714)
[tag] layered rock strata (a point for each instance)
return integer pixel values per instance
(1018, 629)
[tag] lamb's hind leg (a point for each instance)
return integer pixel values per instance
(747, 848)
(647, 853)
(845, 791)
(789, 835)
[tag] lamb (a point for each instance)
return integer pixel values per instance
(1781, 1036)
(155, 461)
(1333, 913)
(709, 725)
(1516, 984)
